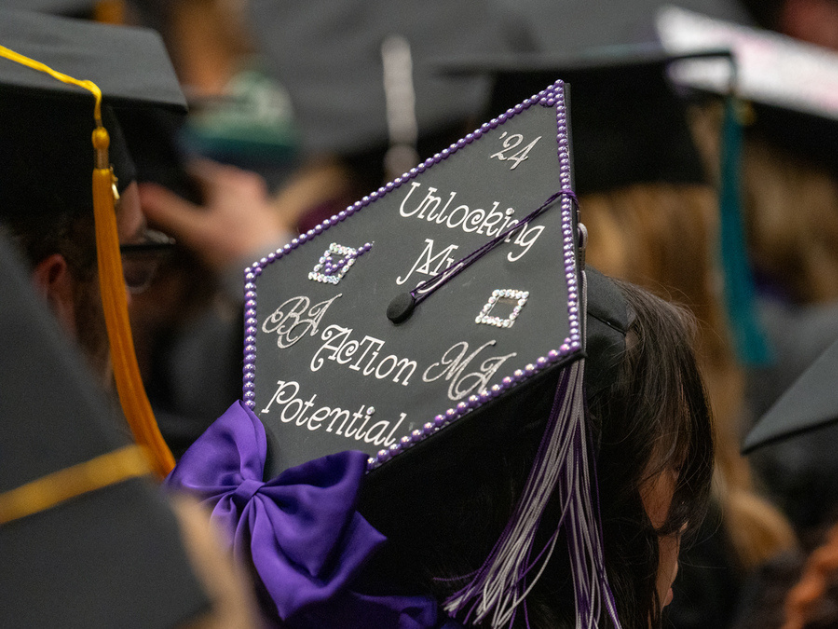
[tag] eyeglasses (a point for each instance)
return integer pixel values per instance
(142, 260)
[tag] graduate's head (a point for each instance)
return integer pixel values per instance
(466, 383)
(654, 461)
(47, 206)
(51, 70)
(46, 196)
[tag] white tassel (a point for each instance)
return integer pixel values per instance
(561, 466)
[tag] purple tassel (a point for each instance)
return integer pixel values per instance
(561, 464)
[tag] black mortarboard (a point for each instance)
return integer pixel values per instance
(129, 64)
(381, 248)
(792, 85)
(810, 403)
(328, 54)
(49, 69)
(107, 551)
(53, 120)
(52, 136)
(417, 323)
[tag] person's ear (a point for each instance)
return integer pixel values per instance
(54, 281)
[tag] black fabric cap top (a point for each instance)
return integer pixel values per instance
(129, 64)
(628, 124)
(328, 54)
(325, 368)
(108, 558)
(810, 403)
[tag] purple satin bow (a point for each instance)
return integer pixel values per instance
(300, 530)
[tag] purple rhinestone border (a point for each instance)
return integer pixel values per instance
(553, 96)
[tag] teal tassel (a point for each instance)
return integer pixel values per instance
(750, 340)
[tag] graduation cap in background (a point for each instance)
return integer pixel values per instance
(85, 540)
(616, 62)
(629, 121)
(600, 24)
(417, 323)
(809, 404)
(358, 72)
(143, 107)
(46, 137)
(792, 86)
(629, 126)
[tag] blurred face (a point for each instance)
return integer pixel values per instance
(656, 494)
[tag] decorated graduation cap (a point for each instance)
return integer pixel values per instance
(442, 260)
(58, 77)
(85, 540)
(791, 85)
(809, 404)
(433, 319)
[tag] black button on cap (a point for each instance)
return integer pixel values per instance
(401, 308)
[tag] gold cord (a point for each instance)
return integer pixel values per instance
(59, 487)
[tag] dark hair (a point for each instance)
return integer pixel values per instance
(654, 416)
(71, 235)
(46, 200)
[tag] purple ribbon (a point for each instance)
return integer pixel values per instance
(299, 530)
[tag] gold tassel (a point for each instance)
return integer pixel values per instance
(129, 384)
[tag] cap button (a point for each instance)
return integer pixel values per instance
(401, 307)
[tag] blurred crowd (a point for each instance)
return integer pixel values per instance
(298, 109)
